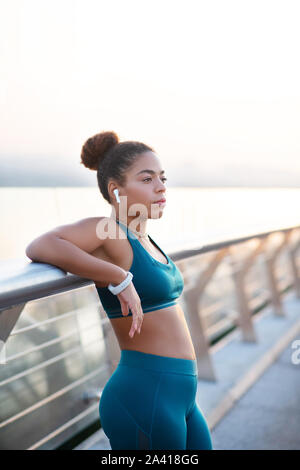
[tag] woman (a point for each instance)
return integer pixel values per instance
(149, 400)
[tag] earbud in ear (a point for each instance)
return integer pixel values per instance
(116, 191)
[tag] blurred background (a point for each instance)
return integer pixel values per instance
(213, 87)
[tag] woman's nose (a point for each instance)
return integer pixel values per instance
(161, 185)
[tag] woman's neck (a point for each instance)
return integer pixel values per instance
(137, 225)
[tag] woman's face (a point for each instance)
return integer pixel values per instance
(145, 187)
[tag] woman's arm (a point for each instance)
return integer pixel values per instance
(68, 247)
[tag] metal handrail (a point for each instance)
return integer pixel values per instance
(53, 396)
(44, 364)
(47, 343)
(32, 280)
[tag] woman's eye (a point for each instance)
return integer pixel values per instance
(149, 179)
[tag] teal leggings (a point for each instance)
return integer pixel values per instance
(149, 403)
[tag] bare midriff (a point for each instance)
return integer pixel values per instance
(163, 332)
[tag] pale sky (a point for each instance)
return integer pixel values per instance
(206, 83)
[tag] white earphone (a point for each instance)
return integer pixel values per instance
(116, 191)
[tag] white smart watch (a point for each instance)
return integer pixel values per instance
(117, 289)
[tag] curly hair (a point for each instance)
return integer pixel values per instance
(111, 158)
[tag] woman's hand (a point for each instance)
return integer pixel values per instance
(129, 299)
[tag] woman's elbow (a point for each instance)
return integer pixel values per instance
(30, 252)
(34, 248)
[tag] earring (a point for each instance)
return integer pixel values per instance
(116, 191)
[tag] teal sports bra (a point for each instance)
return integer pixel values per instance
(157, 284)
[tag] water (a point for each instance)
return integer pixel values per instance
(192, 216)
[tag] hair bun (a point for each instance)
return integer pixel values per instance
(95, 148)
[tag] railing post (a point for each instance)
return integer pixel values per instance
(244, 320)
(8, 319)
(239, 272)
(192, 297)
(296, 276)
(270, 259)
